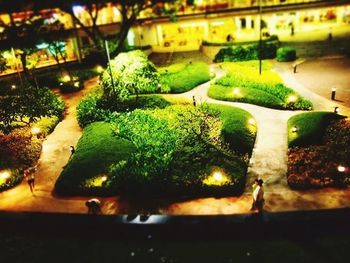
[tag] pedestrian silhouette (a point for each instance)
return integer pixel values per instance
(29, 175)
(94, 206)
(258, 196)
(194, 101)
(72, 150)
(295, 68)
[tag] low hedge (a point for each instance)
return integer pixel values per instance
(247, 52)
(96, 150)
(310, 126)
(285, 54)
(239, 128)
(183, 77)
(16, 176)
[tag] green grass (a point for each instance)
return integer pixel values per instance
(243, 83)
(239, 128)
(183, 77)
(96, 150)
(310, 127)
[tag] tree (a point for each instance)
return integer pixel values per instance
(26, 104)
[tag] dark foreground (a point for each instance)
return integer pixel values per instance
(312, 236)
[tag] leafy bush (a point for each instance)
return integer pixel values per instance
(15, 178)
(285, 54)
(247, 52)
(132, 73)
(310, 126)
(97, 149)
(18, 150)
(182, 77)
(244, 84)
(27, 104)
(46, 125)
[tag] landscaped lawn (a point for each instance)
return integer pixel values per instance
(183, 77)
(96, 150)
(242, 83)
(319, 154)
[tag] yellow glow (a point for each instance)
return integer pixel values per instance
(104, 178)
(76, 84)
(99, 69)
(66, 78)
(35, 130)
(292, 98)
(217, 178)
(294, 129)
(236, 91)
(13, 86)
(251, 121)
(5, 175)
(334, 89)
(341, 168)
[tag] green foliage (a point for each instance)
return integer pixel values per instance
(97, 149)
(182, 77)
(132, 73)
(18, 150)
(3, 63)
(316, 166)
(239, 128)
(285, 54)
(310, 126)
(15, 178)
(46, 124)
(247, 52)
(27, 104)
(244, 84)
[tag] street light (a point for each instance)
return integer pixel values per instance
(260, 35)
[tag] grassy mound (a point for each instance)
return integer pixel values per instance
(243, 83)
(96, 151)
(183, 77)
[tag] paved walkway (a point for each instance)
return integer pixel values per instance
(269, 161)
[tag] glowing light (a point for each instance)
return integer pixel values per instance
(77, 9)
(5, 175)
(217, 176)
(217, 23)
(336, 109)
(104, 178)
(66, 78)
(35, 130)
(13, 86)
(236, 91)
(294, 129)
(76, 84)
(99, 69)
(251, 121)
(341, 168)
(334, 89)
(292, 98)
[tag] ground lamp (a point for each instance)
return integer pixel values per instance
(341, 168)
(251, 121)
(334, 89)
(292, 99)
(336, 109)
(4, 175)
(99, 69)
(35, 131)
(235, 91)
(294, 129)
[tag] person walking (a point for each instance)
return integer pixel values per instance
(72, 150)
(258, 196)
(194, 101)
(94, 206)
(29, 175)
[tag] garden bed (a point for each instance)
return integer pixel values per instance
(318, 154)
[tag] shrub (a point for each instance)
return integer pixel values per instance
(97, 149)
(310, 126)
(182, 77)
(247, 52)
(132, 73)
(46, 125)
(15, 178)
(285, 54)
(18, 150)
